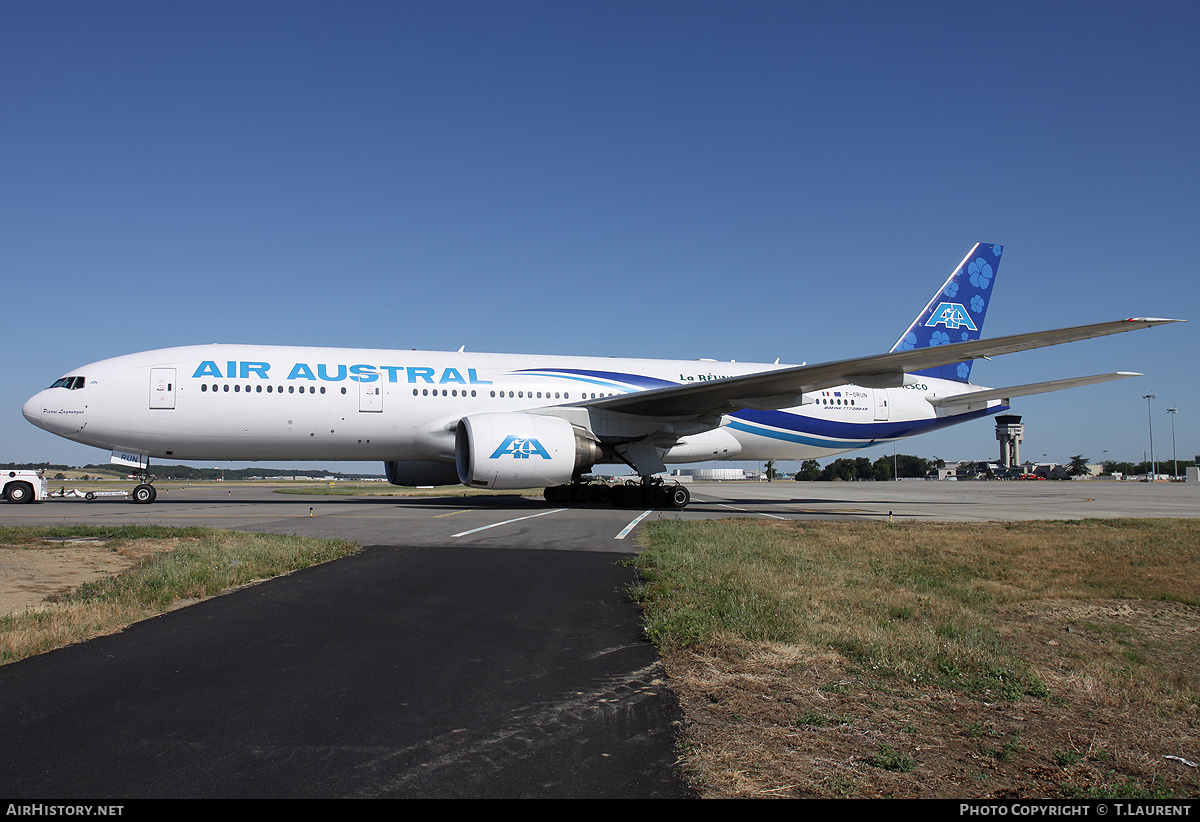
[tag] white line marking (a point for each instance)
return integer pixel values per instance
(506, 522)
(748, 511)
(633, 524)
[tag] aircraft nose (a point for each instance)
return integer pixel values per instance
(33, 409)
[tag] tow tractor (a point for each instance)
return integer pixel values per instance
(31, 486)
(24, 486)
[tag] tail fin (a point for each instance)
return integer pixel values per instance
(956, 312)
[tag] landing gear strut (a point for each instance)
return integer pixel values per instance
(145, 492)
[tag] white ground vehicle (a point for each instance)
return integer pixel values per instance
(31, 486)
(23, 486)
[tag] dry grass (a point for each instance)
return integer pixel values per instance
(967, 661)
(161, 569)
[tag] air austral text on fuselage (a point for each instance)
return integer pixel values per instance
(361, 372)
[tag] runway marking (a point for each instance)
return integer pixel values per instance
(748, 511)
(633, 524)
(452, 513)
(506, 522)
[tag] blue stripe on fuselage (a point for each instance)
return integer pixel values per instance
(789, 427)
(613, 379)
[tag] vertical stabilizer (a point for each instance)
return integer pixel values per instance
(956, 312)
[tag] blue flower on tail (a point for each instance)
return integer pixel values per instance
(981, 273)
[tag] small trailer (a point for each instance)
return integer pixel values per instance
(143, 493)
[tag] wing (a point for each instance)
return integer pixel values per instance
(783, 387)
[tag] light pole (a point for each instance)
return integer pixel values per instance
(1174, 462)
(1150, 419)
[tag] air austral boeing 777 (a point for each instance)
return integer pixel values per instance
(505, 421)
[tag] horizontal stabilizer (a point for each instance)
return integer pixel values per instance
(971, 397)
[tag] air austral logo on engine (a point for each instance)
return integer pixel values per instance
(951, 315)
(519, 448)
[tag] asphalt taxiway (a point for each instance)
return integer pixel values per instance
(477, 647)
(499, 521)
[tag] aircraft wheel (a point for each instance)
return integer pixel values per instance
(144, 494)
(678, 497)
(626, 496)
(656, 496)
(557, 494)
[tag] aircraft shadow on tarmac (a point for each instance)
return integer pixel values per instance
(515, 502)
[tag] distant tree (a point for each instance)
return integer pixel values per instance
(840, 469)
(1078, 466)
(810, 471)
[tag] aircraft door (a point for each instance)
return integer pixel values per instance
(881, 404)
(162, 387)
(370, 396)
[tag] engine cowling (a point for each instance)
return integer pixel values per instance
(509, 450)
(420, 472)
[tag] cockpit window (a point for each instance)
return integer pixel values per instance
(68, 382)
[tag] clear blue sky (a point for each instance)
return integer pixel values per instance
(737, 180)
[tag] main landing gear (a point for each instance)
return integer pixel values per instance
(649, 493)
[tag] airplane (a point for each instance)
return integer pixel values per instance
(504, 421)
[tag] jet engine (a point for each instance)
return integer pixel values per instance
(508, 450)
(420, 472)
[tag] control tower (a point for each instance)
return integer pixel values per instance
(1010, 432)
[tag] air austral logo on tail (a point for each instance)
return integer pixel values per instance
(952, 315)
(519, 448)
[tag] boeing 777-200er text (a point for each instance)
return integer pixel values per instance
(503, 421)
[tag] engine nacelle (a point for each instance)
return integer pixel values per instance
(420, 472)
(509, 450)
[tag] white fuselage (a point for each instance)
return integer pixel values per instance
(251, 402)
